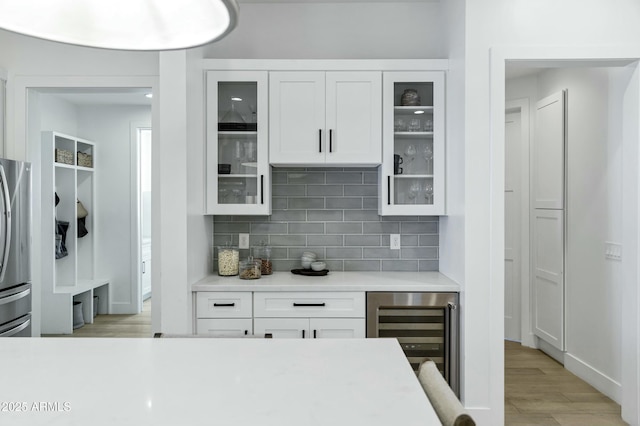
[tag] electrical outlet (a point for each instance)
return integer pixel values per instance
(394, 242)
(243, 241)
(612, 251)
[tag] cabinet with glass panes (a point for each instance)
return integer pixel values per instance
(412, 172)
(238, 171)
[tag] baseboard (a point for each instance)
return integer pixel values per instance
(122, 308)
(552, 351)
(482, 416)
(595, 378)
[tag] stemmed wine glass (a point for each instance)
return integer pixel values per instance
(427, 154)
(410, 152)
(413, 191)
(428, 192)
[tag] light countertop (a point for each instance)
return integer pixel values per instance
(200, 381)
(334, 281)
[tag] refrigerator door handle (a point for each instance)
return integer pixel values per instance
(7, 222)
(16, 329)
(14, 297)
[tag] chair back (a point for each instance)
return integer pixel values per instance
(445, 403)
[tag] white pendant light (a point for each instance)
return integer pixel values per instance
(122, 24)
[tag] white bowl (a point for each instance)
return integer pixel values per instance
(310, 255)
(306, 264)
(318, 266)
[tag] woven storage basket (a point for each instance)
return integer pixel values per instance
(85, 160)
(64, 156)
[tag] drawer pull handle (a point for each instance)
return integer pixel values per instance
(315, 334)
(308, 304)
(223, 304)
(303, 334)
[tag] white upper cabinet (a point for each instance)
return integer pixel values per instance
(238, 171)
(329, 118)
(412, 175)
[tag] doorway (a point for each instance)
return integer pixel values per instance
(102, 115)
(595, 173)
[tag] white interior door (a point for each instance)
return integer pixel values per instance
(549, 153)
(512, 309)
(548, 220)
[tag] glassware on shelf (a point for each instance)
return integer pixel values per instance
(428, 192)
(428, 125)
(232, 116)
(400, 124)
(410, 153)
(413, 191)
(254, 115)
(427, 154)
(238, 157)
(414, 125)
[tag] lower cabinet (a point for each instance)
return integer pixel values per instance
(310, 328)
(225, 327)
(297, 315)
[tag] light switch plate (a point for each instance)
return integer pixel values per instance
(394, 242)
(243, 241)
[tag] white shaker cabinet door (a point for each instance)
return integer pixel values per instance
(354, 118)
(296, 117)
(291, 328)
(337, 328)
(225, 327)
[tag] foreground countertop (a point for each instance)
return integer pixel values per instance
(334, 281)
(200, 381)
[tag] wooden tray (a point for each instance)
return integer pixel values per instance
(310, 272)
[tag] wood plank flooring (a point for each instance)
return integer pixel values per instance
(539, 391)
(116, 325)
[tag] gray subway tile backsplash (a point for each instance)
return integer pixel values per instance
(334, 213)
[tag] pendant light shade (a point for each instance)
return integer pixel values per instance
(122, 24)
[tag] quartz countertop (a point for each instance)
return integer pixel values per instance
(334, 281)
(206, 381)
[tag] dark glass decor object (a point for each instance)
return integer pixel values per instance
(410, 97)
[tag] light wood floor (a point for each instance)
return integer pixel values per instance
(116, 325)
(539, 391)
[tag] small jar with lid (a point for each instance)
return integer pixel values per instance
(262, 253)
(228, 257)
(250, 269)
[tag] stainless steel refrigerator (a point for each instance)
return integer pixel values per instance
(15, 246)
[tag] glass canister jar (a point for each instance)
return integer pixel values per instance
(262, 252)
(250, 269)
(228, 257)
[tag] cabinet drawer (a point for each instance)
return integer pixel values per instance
(224, 327)
(309, 304)
(223, 305)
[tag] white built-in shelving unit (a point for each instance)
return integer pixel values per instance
(72, 277)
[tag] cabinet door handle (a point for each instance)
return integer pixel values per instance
(330, 140)
(261, 189)
(223, 304)
(389, 190)
(303, 334)
(315, 334)
(319, 140)
(246, 332)
(307, 304)
(143, 267)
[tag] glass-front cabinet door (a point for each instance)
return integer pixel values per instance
(412, 172)
(238, 171)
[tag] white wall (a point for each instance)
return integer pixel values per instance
(493, 23)
(387, 30)
(110, 128)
